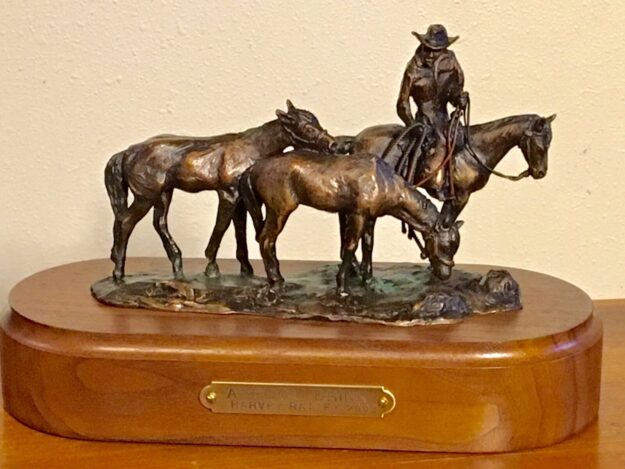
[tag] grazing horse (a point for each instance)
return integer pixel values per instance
(478, 151)
(361, 187)
(154, 168)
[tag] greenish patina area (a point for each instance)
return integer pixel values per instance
(402, 294)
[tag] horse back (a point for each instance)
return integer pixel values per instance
(165, 162)
(333, 183)
(376, 138)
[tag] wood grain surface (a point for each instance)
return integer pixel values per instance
(14, 439)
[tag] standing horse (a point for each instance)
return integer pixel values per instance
(471, 171)
(476, 154)
(154, 168)
(360, 187)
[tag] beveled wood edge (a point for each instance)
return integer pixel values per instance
(301, 350)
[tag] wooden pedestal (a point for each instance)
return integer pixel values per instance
(500, 382)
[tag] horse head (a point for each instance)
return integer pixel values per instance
(535, 145)
(441, 244)
(304, 130)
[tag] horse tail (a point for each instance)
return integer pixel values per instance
(251, 200)
(116, 184)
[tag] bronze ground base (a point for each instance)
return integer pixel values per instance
(400, 295)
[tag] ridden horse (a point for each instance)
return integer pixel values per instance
(360, 186)
(154, 168)
(472, 163)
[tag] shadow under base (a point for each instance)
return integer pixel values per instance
(400, 295)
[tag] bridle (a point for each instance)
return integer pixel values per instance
(426, 254)
(295, 139)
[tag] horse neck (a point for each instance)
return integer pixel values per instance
(417, 210)
(493, 140)
(269, 138)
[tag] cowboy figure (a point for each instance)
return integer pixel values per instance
(432, 79)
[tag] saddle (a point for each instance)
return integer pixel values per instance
(415, 142)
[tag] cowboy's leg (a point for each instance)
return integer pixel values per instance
(451, 209)
(433, 160)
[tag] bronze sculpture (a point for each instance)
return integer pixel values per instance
(360, 187)
(154, 168)
(375, 173)
(474, 162)
(74, 368)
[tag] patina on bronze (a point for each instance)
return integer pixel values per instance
(434, 151)
(361, 178)
(361, 187)
(399, 295)
(154, 168)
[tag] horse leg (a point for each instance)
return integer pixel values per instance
(366, 266)
(137, 210)
(451, 209)
(240, 231)
(225, 211)
(274, 224)
(353, 271)
(353, 233)
(117, 229)
(161, 209)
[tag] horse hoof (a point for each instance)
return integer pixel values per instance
(212, 271)
(247, 270)
(179, 275)
(118, 277)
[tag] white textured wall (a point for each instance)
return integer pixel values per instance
(82, 79)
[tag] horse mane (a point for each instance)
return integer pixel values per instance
(504, 122)
(501, 129)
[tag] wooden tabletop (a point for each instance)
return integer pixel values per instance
(601, 445)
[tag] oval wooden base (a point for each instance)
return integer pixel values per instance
(501, 382)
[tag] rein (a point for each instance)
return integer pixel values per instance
(471, 152)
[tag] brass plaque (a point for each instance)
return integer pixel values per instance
(226, 397)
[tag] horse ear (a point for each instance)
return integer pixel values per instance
(539, 125)
(551, 118)
(289, 105)
(459, 223)
(284, 117)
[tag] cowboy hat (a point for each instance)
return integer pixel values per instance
(436, 37)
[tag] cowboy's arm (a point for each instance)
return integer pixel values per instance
(457, 96)
(403, 102)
